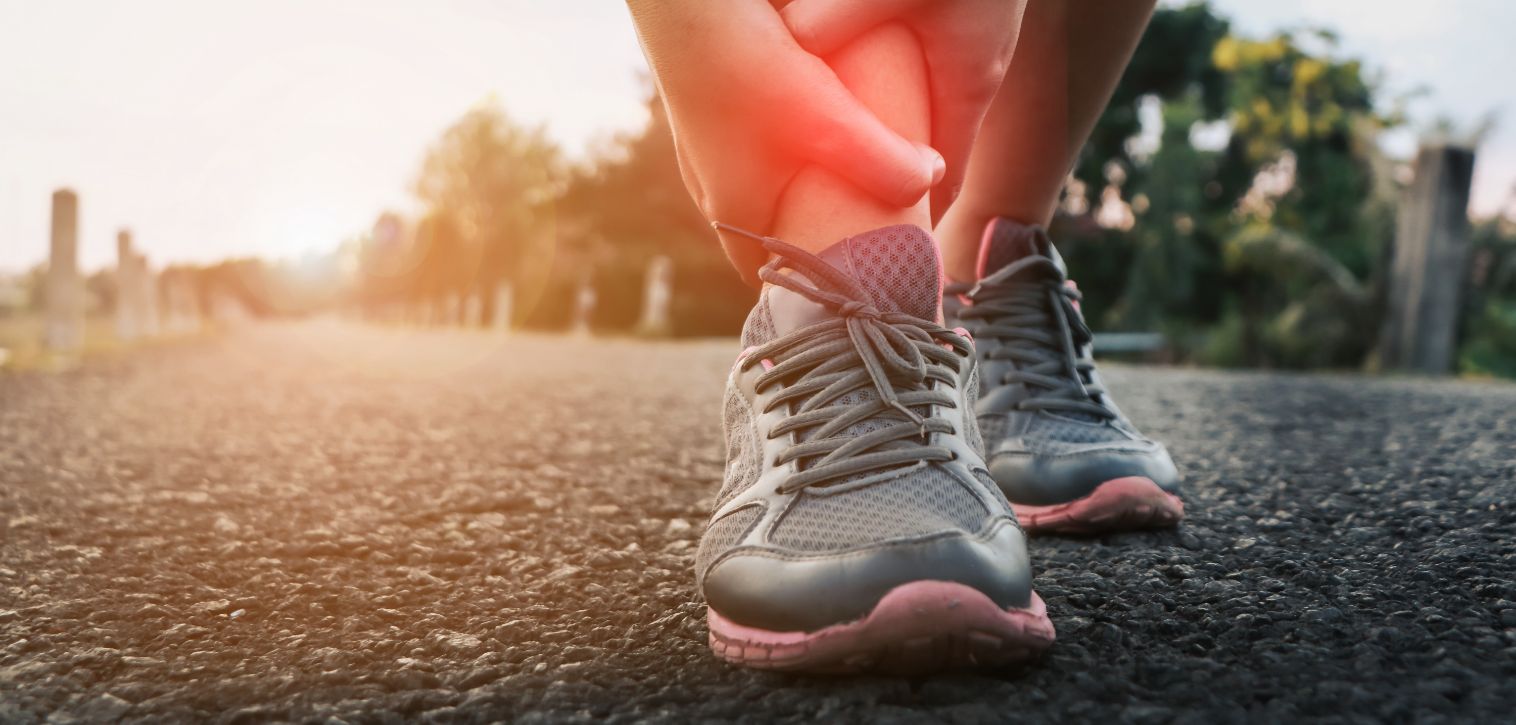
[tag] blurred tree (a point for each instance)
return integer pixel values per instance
(1319, 111)
(628, 205)
(447, 263)
(489, 187)
(1176, 243)
(1263, 150)
(1173, 61)
(1489, 337)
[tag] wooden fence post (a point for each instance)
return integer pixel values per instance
(1431, 260)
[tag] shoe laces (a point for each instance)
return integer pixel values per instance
(1041, 331)
(898, 356)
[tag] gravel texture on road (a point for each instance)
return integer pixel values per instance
(320, 523)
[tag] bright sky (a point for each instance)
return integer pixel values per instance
(277, 128)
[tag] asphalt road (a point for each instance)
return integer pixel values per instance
(327, 524)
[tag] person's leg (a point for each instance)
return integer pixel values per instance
(1058, 446)
(855, 529)
(884, 68)
(1069, 57)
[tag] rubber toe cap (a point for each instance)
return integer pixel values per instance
(1043, 480)
(785, 592)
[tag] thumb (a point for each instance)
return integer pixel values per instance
(823, 26)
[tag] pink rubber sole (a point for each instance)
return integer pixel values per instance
(1120, 504)
(917, 627)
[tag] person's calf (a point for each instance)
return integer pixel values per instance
(886, 71)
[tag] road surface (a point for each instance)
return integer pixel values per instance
(319, 523)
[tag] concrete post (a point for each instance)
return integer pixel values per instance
(1431, 261)
(65, 290)
(503, 299)
(128, 321)
(147, 286)
(657, 294)
(186, 308)
(473, 309)
(584, 306)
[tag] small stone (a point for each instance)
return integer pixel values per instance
(562, 572)
(1181, 571)
(1326, 614)
(105, 708)
(211, 607)
(225, 525)
(573, 670)
(678, 526)
(489, 520)
(460, 641)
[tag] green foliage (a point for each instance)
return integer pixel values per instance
(1267, 249)
(1490, 346)
(1173, 61)
(1315, 314)
(1176, 245)
(1321, 111)
(1489, 339)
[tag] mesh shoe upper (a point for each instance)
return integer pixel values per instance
(850, 467)
(1051, 431)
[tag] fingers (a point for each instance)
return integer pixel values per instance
(833, 129)
(954, 132)
(960, 100)
(823, 26)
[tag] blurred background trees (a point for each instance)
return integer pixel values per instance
(1260, 204)
(1234, 197)
(488, 187)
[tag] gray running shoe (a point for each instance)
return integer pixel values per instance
(857, 528)
(1056, 443)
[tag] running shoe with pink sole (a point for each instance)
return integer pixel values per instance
(1057, 445)
(858, 528)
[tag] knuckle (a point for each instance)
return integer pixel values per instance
(981, 87)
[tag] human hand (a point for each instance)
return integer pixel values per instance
(750, 108)
(968, 46)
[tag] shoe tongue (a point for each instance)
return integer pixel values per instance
(1006, 242)
(897, 268)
